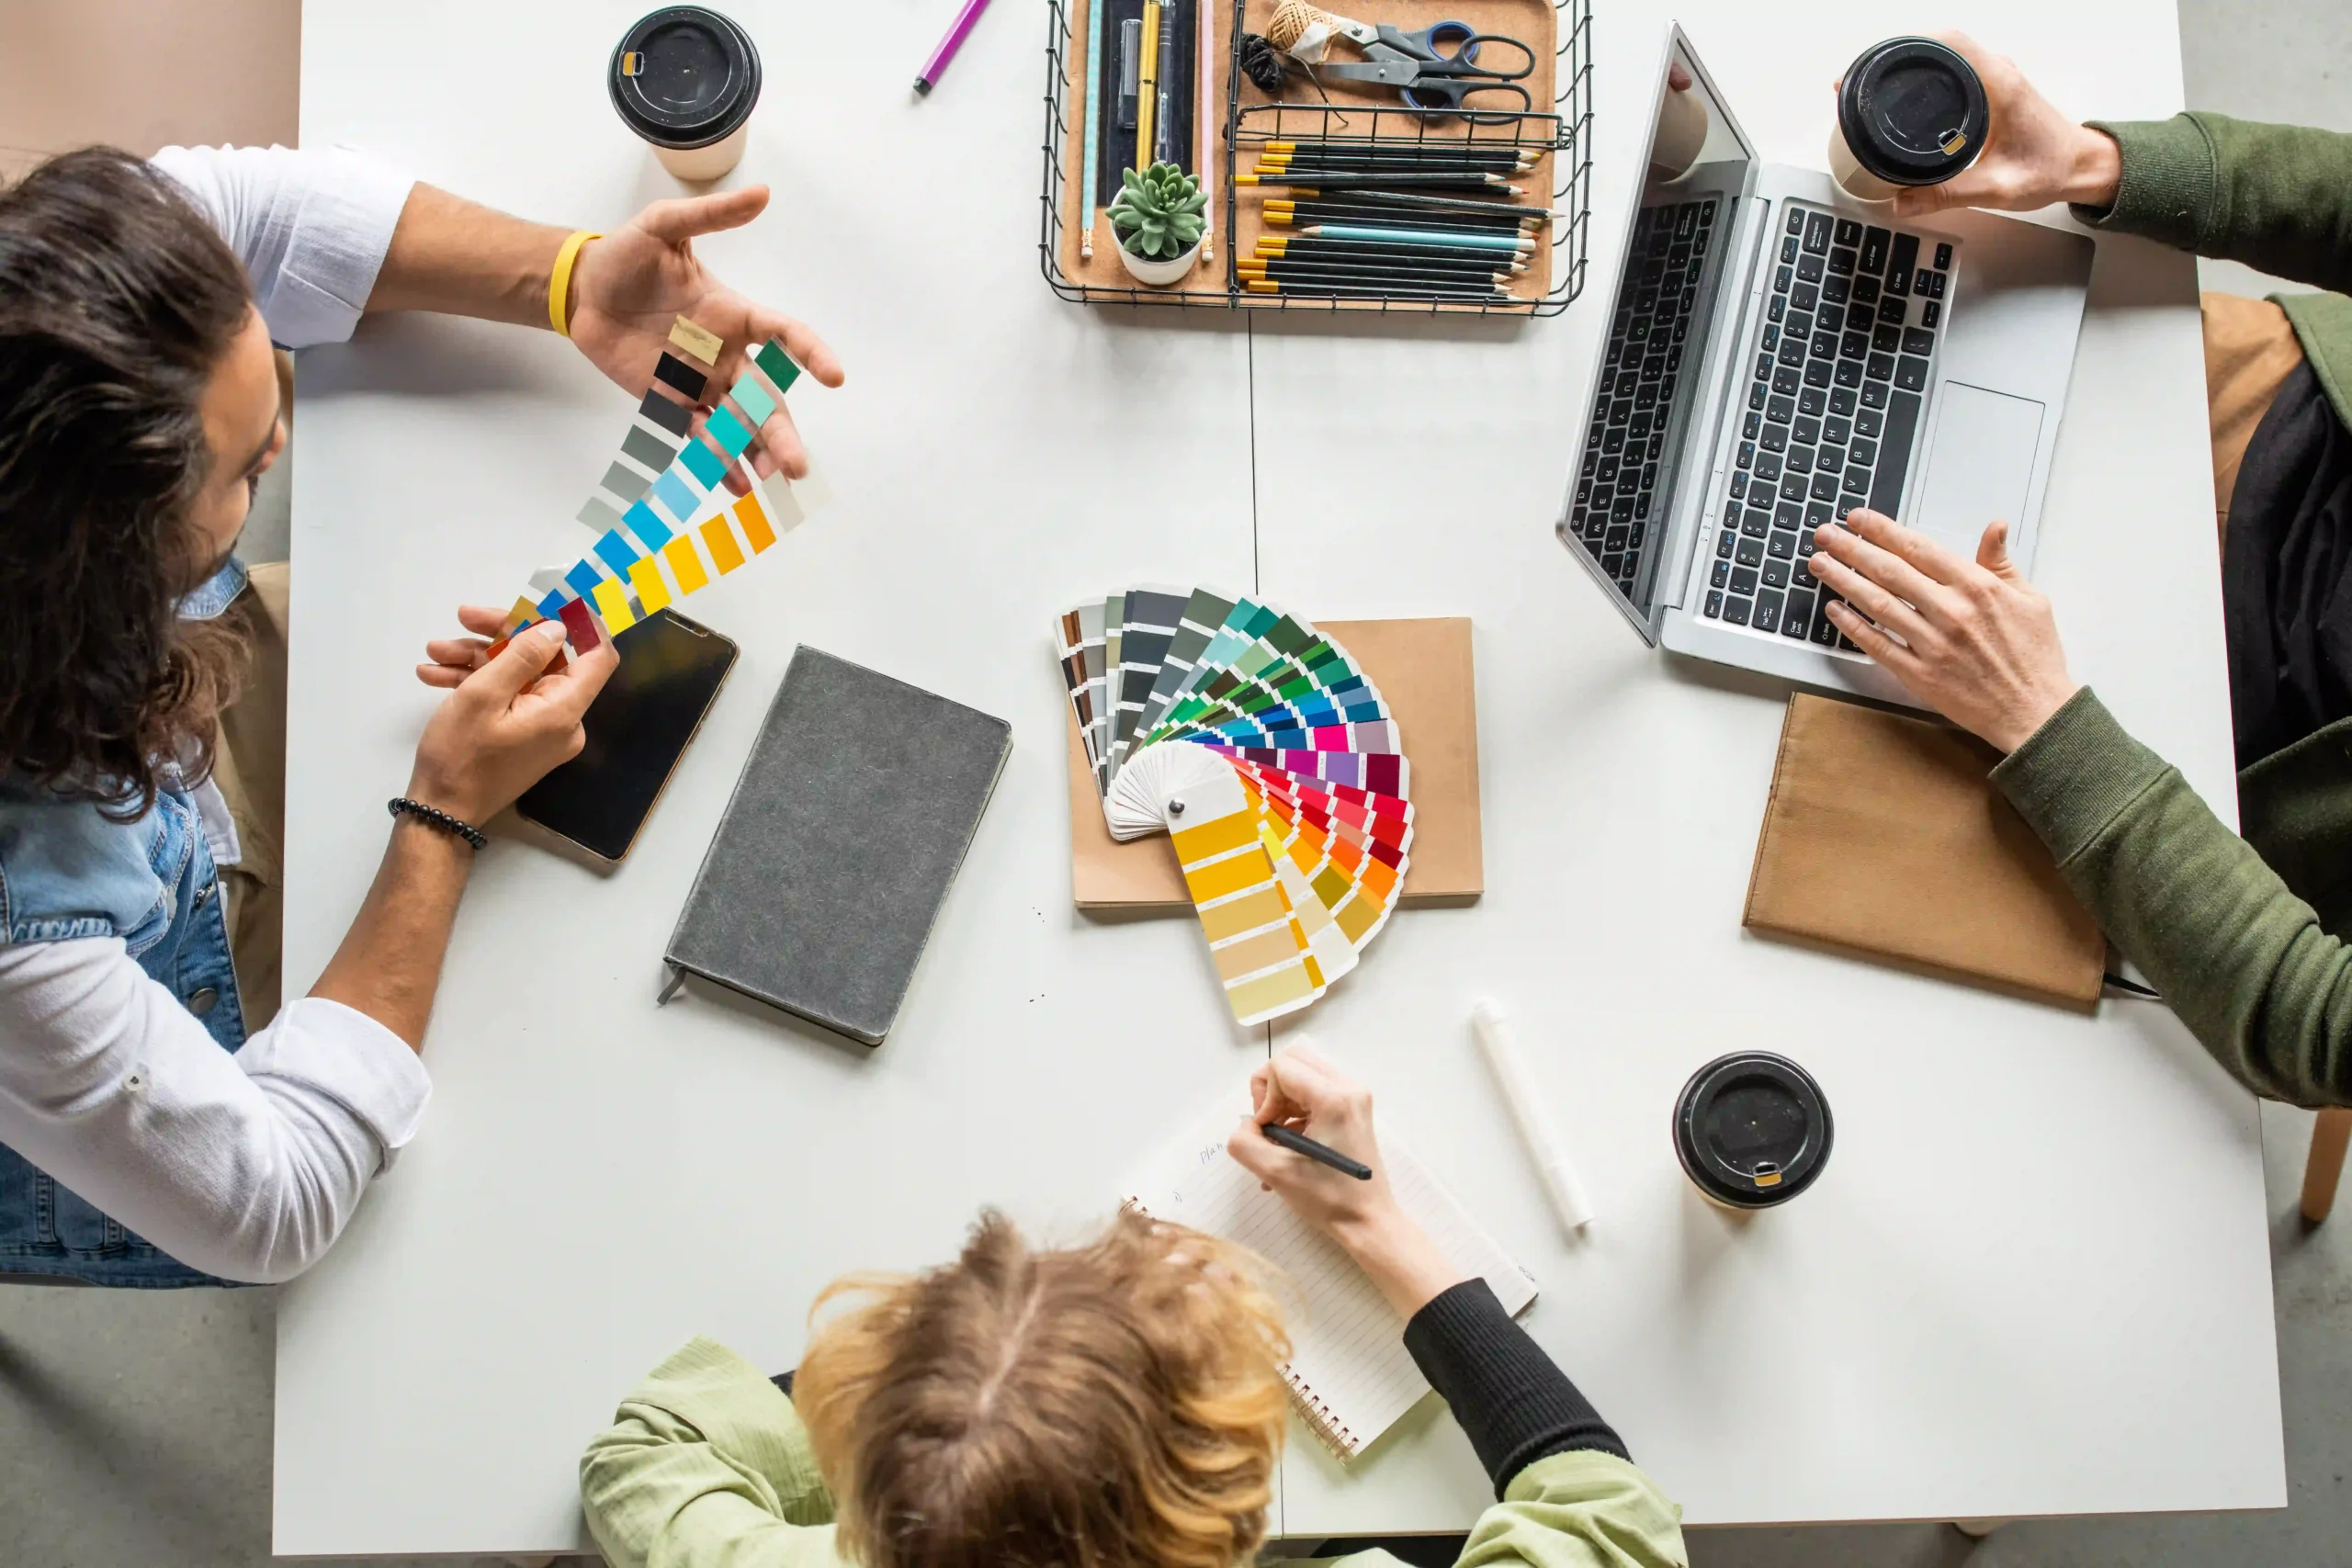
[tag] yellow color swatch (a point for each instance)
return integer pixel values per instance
(725, 553)
(685, 565)
(755, 521)
(646, 578)
(613, 604)
(523, 613)
(703, 346)
(1219, 878)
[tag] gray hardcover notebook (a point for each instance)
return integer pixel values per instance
(856, 806)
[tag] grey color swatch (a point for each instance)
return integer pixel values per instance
(625, 483)
(641, 446)
(849, 822)
(599, 516)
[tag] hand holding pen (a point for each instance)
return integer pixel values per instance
(1301, 1090)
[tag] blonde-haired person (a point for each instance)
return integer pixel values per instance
(1116, 1404)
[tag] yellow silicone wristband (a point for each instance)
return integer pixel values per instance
(559, 280)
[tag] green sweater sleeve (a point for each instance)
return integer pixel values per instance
(2241, 959)
(2278, 197)
(1581, 1509)
(706, 1465)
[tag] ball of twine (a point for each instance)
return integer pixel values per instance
(1292, 18)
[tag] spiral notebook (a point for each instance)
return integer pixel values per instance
(1349, 1372)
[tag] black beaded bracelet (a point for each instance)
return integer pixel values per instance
(434, 817)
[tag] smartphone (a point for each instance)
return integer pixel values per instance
(639, 727)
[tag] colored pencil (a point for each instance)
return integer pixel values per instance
(1268, 162)
(1271, 245)
(1495, 183)
(1148, 84)
(1375, 279)
(1300, 1143)
(1095, 10)
(1468, 296)
(1480, 265)
(1383, 218)
(936, 66)
(1469, 242)
(1418, 201)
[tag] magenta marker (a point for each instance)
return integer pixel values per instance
(937, 65)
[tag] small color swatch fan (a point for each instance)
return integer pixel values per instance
(1268, 757)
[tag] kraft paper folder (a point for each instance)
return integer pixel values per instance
(1423, 669)
(1886, 836)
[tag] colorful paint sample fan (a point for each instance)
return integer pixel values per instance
(1269, 758)
(650, 549)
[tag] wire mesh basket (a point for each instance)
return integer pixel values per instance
(1564, 132)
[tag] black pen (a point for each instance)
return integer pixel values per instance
(1300, 1143)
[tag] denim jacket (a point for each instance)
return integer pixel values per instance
(67, 872)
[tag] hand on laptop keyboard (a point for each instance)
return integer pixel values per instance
(2033, 155)
(1979, 644)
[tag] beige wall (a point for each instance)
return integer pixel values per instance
(146, 74)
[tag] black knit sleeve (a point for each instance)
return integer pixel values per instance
(1516, 1405)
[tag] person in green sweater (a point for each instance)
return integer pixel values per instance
(1116, 1404)
(2245, 937)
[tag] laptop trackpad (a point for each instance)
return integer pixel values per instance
(1979, 465)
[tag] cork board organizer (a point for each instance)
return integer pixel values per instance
(1226, 120)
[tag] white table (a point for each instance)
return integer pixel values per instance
(2021, 1320)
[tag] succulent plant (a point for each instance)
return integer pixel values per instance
(1158, 212)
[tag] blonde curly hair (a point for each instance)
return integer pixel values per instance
(1112, 1405)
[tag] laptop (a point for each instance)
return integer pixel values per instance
(1780, 354)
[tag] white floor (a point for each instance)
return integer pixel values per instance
(136, 1427)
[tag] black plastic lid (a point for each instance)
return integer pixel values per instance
(1752, 1129)
(684, 77)
(1912, 111)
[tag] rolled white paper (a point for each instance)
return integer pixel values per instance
(1541, 1140)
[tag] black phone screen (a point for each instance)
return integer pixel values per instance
(640, 723)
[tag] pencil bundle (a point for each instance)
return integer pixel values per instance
(1430, 219)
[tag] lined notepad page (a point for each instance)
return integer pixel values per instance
(1349, 1368)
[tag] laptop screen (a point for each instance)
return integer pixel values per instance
(1648, 385)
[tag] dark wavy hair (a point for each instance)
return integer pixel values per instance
(118, 301)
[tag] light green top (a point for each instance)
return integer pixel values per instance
(706, 1465)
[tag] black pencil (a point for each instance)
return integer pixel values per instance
(1422, 201)
(1423, 239)
(1286, 214)
(1270, 249)
(1494, 183)
(1300, 1143)
(1281, 161)
(1403, 147)
(1383, 278)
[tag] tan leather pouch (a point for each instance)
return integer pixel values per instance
(1886, 837)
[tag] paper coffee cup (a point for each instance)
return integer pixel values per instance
(686, 79)
(1910, 112)
(1752, 1130)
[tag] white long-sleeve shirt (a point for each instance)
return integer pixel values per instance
(244, 1166)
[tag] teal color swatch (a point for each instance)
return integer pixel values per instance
(727, 431)
(752, 399)
(701, 461)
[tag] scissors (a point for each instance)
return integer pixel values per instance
(1437, 68)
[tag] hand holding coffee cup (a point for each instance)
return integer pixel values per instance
(2023, 154)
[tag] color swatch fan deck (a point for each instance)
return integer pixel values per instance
(1268, 758)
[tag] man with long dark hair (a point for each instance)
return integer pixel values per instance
(155, 1128)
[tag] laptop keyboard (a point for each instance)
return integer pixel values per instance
(1832, 410)
(1618, 479)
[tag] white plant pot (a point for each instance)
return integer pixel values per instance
(1160, 274)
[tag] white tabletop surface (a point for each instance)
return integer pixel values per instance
(2039, 1259)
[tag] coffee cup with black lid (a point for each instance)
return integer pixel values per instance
(1910, 112)
(686, 79)
(1752, 1130)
